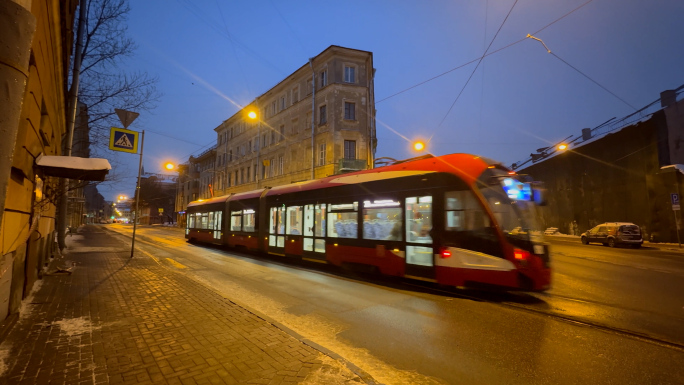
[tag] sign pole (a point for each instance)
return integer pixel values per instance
(137, 193)
(677, 227)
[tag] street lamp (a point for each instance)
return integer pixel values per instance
(418, 146)
(169, 166)
(562, 147)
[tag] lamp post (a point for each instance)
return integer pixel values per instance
(253, 115)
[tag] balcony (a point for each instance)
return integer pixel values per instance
(350, 165)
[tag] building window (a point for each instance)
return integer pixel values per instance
(230, 155)
(282, 133)
(273, 136)
(263, 140)
(281, 165)
(295, 122)
(249, 175)
(272, 167)
(321, 154)
(349, 149)
(324, 78)
(322, 115)
(282, 103)
(295, 95)
(273, 108)
(349, 111)
(349, 74)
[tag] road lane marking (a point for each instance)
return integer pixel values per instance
(176, 264)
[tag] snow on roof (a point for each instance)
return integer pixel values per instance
(678, 167)
(73, 162)
(73, 167)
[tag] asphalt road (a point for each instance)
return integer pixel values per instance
(613, 315)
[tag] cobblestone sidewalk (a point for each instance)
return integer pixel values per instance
(115, 320)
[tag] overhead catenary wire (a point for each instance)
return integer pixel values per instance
(488, 54)
(478, 64)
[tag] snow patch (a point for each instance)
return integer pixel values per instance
(4, 355)
(75, 326)
(25, 309)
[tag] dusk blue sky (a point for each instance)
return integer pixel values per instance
(211, 54)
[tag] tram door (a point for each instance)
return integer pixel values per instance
(314, 232)
(276, 231)
(420, 259)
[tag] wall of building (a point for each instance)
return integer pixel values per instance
(283, 128)
(26, 199)
(617, 177)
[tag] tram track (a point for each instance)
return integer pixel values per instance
(572, 320)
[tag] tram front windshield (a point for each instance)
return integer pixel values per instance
(512, 203)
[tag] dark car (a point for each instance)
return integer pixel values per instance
(614, 234)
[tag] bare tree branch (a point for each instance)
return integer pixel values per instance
(104, 86)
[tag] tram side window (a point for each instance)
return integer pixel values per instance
(191, 221)
(235, 220)
(212, 220)
(342, 221)
(463, 212)
(249, 219)
(203, 219)
(277, 222)
(468, 225)
(382, 223)
(294, 220)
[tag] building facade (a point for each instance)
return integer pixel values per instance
(625, 176)
(187, 190)
(279, 145)
(33, 72)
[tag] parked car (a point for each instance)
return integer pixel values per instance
(614, 234)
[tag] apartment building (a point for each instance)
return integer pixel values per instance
(272, 141)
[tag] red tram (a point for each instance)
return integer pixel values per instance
(459, 220)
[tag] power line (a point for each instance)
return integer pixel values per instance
(474, 60)
(594, 81)
(478, 64)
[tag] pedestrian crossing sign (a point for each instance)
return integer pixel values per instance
(124, 140)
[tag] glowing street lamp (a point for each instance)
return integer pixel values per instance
(419, 146)
(169, 166)
(562, 146)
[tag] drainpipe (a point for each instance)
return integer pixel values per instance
(17, 25)
(313, 118)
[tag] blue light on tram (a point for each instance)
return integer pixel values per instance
(516, 190)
